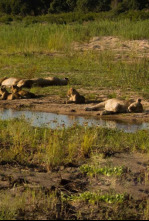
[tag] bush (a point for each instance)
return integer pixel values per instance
(93, 5)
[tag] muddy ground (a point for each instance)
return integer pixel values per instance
(134, 183)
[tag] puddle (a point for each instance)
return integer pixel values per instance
(50, 120)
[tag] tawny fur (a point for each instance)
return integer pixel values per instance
(38, 82)
(136, 107)
(5, 95)
(9, 82)
(22, 93)
(75, 97)
(50, 81)
(117, 106)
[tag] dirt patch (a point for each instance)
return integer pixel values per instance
(70, 181)
(139, 48)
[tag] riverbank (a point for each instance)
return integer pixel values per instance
(55, 104)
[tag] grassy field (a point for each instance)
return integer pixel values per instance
(40, 50)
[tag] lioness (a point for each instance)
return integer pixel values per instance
(136, 107)
(113, 106)
(39, 82)
(9, 82)
(5, 95)
(2, 79)
(26, 83)
(75, 97)
(22, 93)
(50, 81)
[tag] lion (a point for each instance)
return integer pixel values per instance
(113, 106)
(5, 95)
(75, 97)
(9, 82)
(136, 107)
(2, 79)
(50, 81)
(38, 82)
(22, 93)
(26, 83)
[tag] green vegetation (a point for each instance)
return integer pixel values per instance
(31, 7)
(32, 50)
(34, 200)
(98, 197)
(91, 170)
(47, 148)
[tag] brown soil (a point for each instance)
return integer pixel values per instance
(134, 182)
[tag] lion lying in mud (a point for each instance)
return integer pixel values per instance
(75, 97)
(113, 106)
(37, 82)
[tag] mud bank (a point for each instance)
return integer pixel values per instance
(58, 106)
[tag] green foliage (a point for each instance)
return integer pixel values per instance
(94, 170)
(39, 7)
(127, 5)
(93, 5)
(98, 197)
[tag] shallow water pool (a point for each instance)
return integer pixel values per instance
(51, 120)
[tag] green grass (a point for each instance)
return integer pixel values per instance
(19, 37)
(14, 206)
(41, 50)
(47, 148)
(98, 197)
(92, 170)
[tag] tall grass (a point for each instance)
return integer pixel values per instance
(36, 37)
(46, 148)
(26, 50)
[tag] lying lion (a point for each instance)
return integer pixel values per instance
(38, 82)
(9, 82)
(5, 95)
(113, 106)
(75, 97)
(22, 93)
(50, 81)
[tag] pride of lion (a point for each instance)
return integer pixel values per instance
(111, 106)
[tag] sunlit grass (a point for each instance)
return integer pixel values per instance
(14, 206)
(47, 148)
(19, 37)
(40, 50)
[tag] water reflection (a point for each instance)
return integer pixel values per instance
(50, 120)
